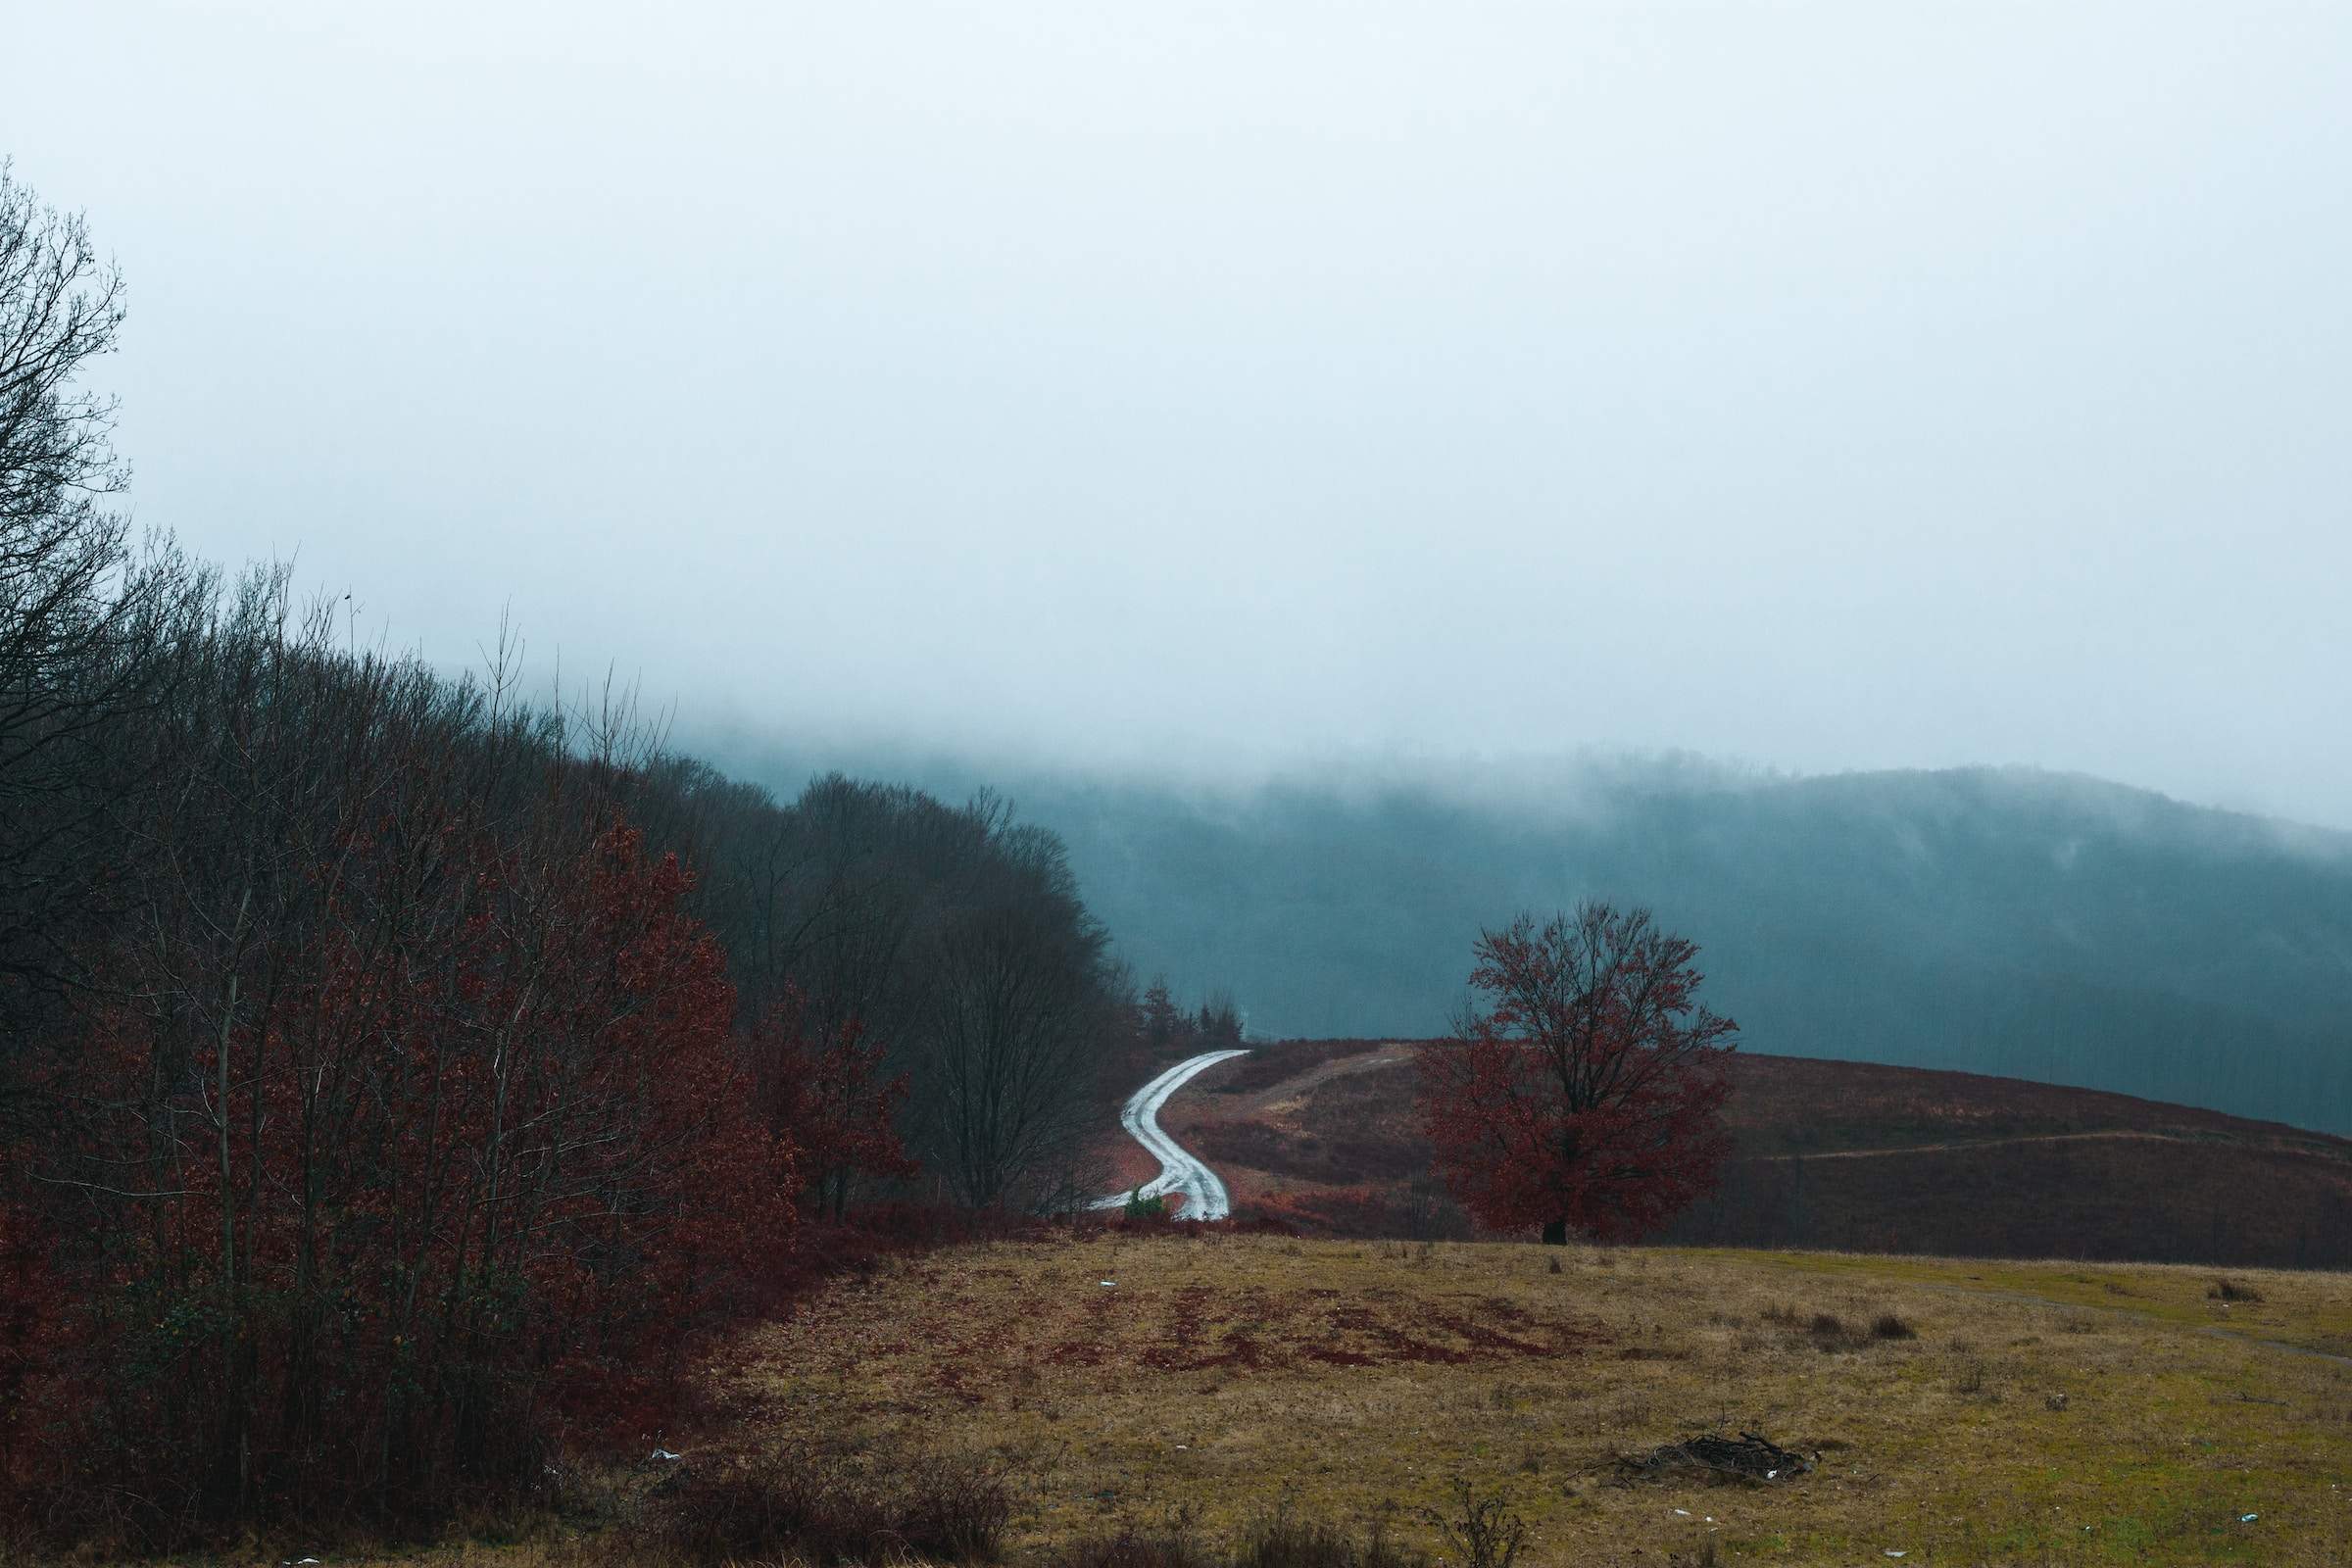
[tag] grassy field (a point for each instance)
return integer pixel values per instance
(2042, 1413)
(2036, 1413)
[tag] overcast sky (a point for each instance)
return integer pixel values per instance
(1819, 387)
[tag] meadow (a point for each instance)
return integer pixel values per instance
(2006, 1413)
(1962, 1412)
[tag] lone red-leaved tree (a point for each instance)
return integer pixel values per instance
(1583, 1095)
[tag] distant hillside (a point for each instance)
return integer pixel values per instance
(2028, 924)
(2022, 924)
(1848, 1156)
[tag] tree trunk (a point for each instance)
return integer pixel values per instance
(1555, 1233)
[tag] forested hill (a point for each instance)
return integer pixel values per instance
(2028, 924)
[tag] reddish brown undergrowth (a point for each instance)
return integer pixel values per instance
(1851, 1156)
(1416, 1210)
(1268, 1066)
(837, 1506)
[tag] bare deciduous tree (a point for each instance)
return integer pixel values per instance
(1019, 1011)
(89, 627)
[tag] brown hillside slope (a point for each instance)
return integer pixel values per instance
(1830, 1154)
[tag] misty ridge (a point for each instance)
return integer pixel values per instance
(2007, 920)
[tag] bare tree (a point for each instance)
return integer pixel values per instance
(1019, 1011)
(59, 308)
(89, 627)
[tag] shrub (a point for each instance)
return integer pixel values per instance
(1173, 1548)
(2232, 1291)
(1281, 1539)
(1888, 1326)
(1481, 1530)
(830, 1508)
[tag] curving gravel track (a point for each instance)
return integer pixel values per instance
(1180, 1174)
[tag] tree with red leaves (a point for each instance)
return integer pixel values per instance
(433, 1153)
(824, 1094)
(1585, 1095)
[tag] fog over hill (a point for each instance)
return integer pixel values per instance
(2010, 922)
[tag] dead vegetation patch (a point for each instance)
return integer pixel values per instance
(824, 1507)
(1747, 1458)
(1831, 1334)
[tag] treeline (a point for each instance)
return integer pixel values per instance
(397, 1076)
(952, 938)
(1216, 1025)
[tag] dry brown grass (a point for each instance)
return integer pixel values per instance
(1217, 1376)
(2041, 1414)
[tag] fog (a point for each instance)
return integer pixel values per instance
(1213, 389)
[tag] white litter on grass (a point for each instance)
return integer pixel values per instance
(1684, 1512)
(2247, 1518)
(1109, 1283)
(664, 1454)
(1891, 1552)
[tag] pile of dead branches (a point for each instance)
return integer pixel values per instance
(1749, 1458)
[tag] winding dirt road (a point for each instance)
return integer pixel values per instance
(1180, 1174)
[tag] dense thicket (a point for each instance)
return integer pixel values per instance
(398, 1077)
(955, 936)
